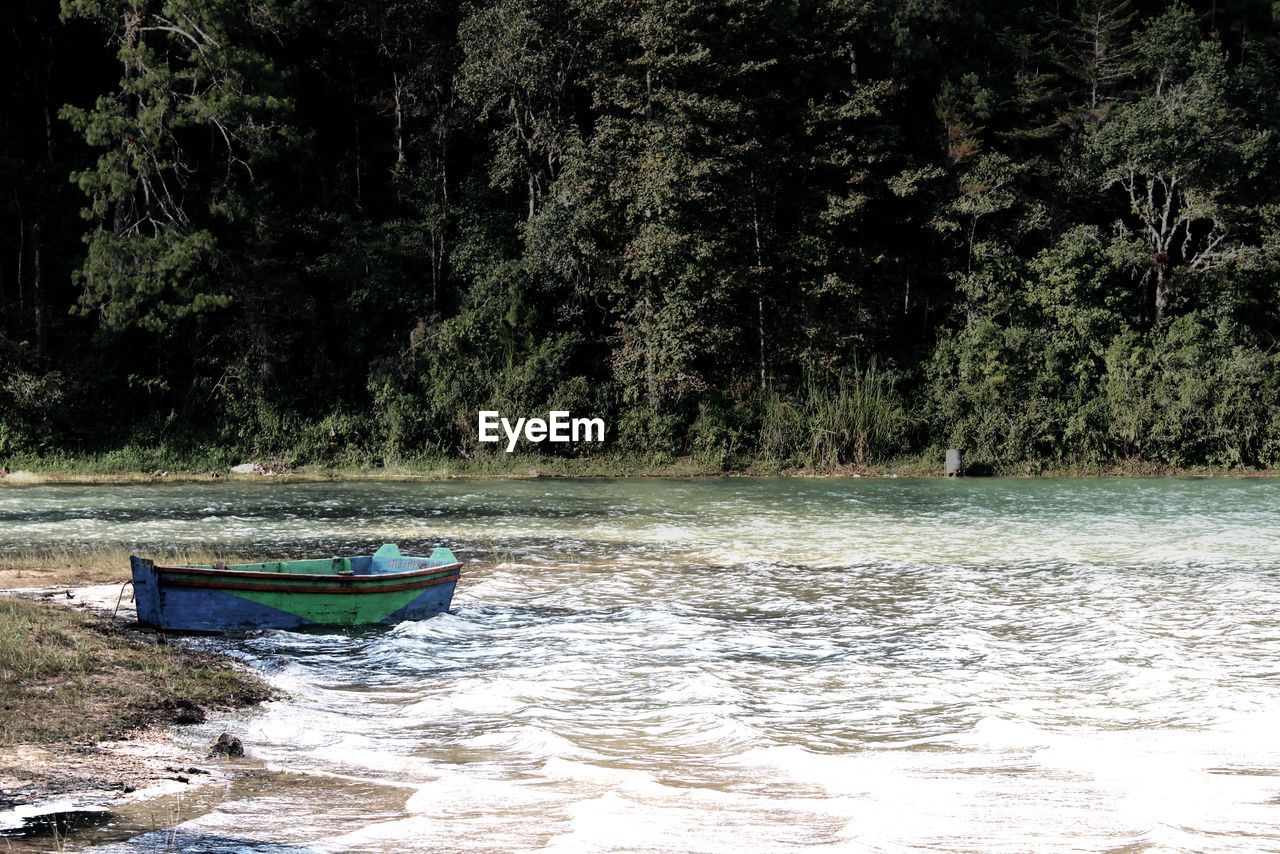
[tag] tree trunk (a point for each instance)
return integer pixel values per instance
(1162, 293)
(122, 216)
(359, 189)
(22, 250)
(650, 358)
(399, 144)
(37, 300)
(755, 225)
(48, 111)
(439, 239)
(760, 333)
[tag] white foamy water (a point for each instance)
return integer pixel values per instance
(734, 665)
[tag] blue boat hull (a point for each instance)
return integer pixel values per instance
(208, 599)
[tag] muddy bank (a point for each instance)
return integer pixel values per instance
(53, 790)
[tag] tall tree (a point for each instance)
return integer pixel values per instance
(1177, 153)
(194, 111)
(1099, 51)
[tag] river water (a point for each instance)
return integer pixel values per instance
(751, 665)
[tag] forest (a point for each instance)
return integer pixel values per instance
(813, 234)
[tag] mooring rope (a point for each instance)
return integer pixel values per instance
(120, 598)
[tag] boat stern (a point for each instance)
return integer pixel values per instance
(146, 590)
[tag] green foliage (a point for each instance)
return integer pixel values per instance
(1020, 380)
(331, 231)
(1194, 392)
(30, 408)
(1003, 394)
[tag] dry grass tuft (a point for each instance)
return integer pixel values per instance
(52, 567)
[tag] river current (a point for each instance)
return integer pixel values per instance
(749, 665)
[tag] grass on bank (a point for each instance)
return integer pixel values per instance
(136, 466)
(71, 676)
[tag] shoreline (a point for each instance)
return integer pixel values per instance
(39, 796)
(552, 468)
(93, 705)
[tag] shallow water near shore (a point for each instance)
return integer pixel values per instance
(729, 665)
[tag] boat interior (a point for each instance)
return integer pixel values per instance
(386, 559)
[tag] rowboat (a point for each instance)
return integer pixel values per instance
(385, 587)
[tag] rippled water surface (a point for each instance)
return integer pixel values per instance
(741, 665)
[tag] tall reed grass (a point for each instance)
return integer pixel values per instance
(857, 418)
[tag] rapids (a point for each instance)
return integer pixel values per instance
(747, 665)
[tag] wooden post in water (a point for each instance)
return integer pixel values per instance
(954, 467)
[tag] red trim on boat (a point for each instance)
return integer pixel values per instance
(278, 588)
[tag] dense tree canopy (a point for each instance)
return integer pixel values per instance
(814, 232)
